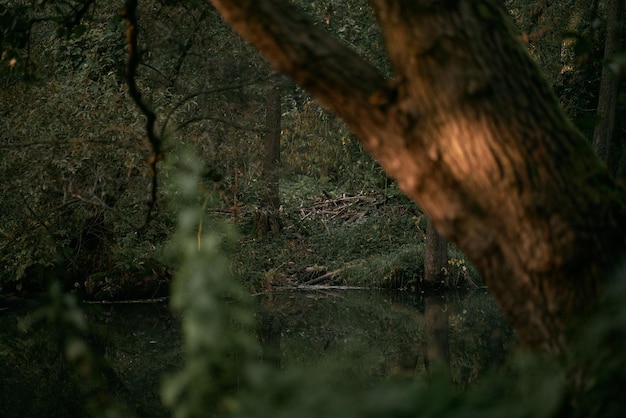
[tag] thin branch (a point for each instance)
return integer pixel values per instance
(154, 142)
(192, 96)
(223, 122)
(156, 70)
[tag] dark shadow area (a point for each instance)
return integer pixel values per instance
(363, 337)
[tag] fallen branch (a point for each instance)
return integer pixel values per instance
(121, 302)
(323, 277)
(309, 288)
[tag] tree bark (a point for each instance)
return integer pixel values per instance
(604, 133)
(271, 160)
(435, 257)
(472, 133)
(271, 163)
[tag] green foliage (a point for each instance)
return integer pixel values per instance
(315, 143)
(73, 180)
(70, 187)
(375, 237)
(14, 32)
(566, 40)
(401, 269)
(354, 23)
(215, 322)
(75, 215)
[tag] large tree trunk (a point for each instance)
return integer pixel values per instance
(473, 134)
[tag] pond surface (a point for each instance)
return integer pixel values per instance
(362, 335)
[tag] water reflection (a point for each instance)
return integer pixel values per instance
(363, 336)
(139, 343)
(374, 335)
(436, 327)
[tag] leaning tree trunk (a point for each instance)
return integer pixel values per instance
(473, 134)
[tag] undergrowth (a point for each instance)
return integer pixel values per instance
(374, 238)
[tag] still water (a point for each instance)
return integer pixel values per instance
(372, 335)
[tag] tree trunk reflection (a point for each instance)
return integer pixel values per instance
(437, 349)
(269, 330)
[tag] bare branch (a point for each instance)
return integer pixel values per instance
(130, 16)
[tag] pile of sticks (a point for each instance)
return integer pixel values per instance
(347, 208)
